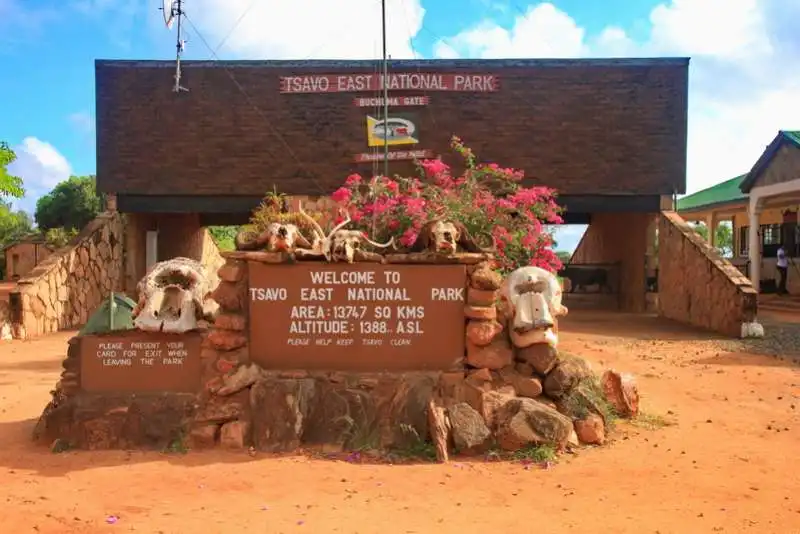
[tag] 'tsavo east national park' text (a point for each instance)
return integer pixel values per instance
(342, 308)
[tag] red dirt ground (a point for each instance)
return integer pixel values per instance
(729, 464)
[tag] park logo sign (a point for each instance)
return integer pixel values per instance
(391, 131)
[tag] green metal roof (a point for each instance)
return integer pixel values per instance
(723, 193)
(794, 136)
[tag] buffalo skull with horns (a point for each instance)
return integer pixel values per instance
(340, 244)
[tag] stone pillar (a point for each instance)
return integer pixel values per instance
(711, 223)
(754, 245)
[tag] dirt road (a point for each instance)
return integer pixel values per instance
(729, 464)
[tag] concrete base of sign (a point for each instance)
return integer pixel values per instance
(493, 394)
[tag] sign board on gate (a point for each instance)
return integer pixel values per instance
(401, 81)
(135, 361)
(394, 155)
(360, 317)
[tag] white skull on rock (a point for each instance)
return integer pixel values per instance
(532, 298)
(174, 296)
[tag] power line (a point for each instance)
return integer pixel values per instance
(255, 107)
(236, 25)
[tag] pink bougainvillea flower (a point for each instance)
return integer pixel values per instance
(434, 167)
(353, 180)
(342, 195)
(409, 237)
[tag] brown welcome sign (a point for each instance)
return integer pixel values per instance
(356, 317)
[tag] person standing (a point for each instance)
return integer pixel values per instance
(783, 268)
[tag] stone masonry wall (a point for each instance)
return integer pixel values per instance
(698, 286)
(65, 289)
(506, 389)
(619, 239)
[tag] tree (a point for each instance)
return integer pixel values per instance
(564, 256)
(10, 186)
(70, 205)
(224, 236)
(724, 237)
(13, 224)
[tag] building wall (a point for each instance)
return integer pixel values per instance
(619, 238)
(29, 256)
(65, 289)
(698, 286)
(178, 235)
(582, 126)
(768, 264)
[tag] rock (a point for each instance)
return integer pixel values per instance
(230, 296)
(481, 297)
(533, 337)
(528, 387)
(344, 416)
(408, 409)
(439, 429)
(525, 422)
(230, 321)
(221, 409)
(469, 430)
(480, 312)
(116, 421)
(565, 376)
(485, 278)
(496, 355)
(233, 271)
(244, 377)
(573, 440)
(479, 376)
(203, 436)
(591, 430)
(524, 369)
(622, 392)
(280, 408)
(542, 357)
(487, 403)
(226, 339)
(234, 435)
(481, 333)
(584, 399)
(524, 386)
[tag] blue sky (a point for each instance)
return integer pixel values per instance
(744, 77)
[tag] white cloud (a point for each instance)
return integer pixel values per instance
(305, 29)
(40, 166)
(744, 74)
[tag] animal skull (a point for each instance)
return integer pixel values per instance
(277, 237)
(173, 296)
(345, 243)
(284, 237)
(533, 298)
(445, 236)
(339, 244)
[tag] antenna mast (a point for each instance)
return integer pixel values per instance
(385, 93)
(173, 9)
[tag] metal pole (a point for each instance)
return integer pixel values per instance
(385, 94)
(178, 10)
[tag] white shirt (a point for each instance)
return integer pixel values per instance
(782, 261)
